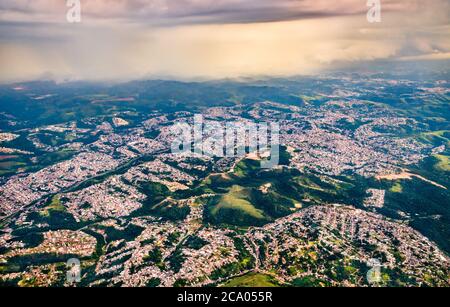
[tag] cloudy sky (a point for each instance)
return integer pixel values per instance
(132, 39)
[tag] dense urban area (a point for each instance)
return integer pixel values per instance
(88, 172)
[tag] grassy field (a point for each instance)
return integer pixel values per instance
(396, 188)
(252, 280)
(55, 205)
(238, 199)
(443, 163)
(436, 138)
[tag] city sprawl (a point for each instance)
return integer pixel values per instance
(363, 174)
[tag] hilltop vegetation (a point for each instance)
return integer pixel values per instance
(252, 280)
(251, 196)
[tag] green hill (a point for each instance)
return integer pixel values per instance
(251, 196)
